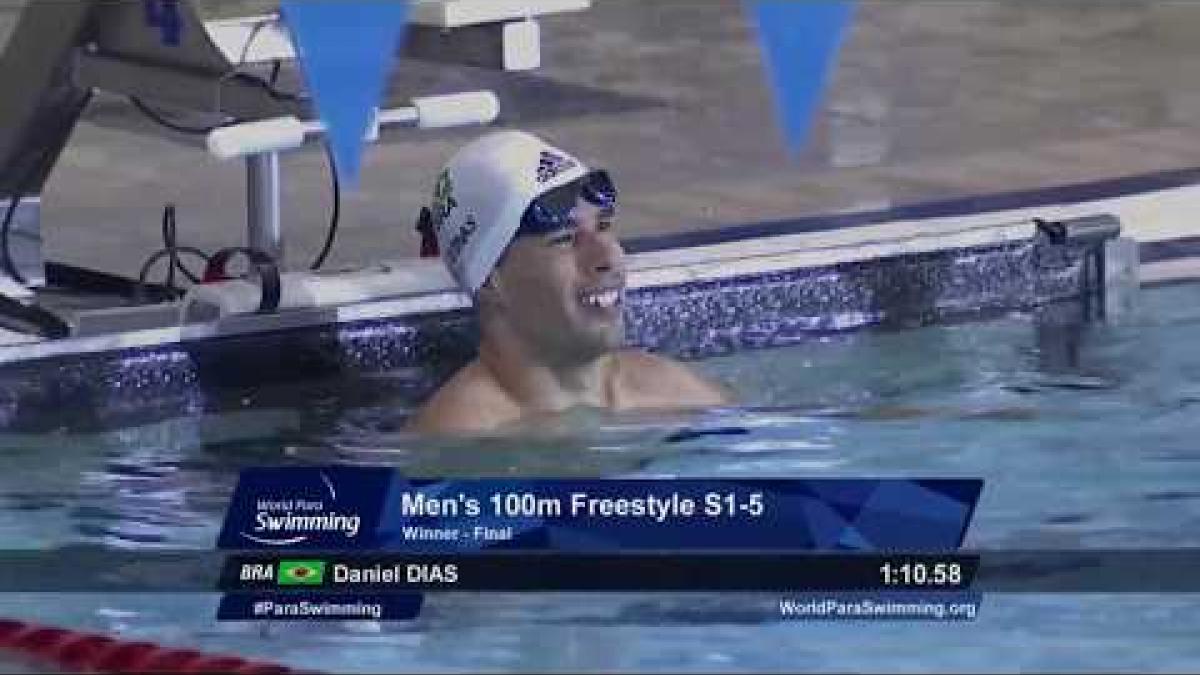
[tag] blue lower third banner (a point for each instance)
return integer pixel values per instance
(344, 508)
(521, 571)
(319, 606)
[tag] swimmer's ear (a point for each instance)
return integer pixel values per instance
(490, 291)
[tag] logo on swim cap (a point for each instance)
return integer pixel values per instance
(443, 198)
(459, 240)
(552, 164)
(480, 197)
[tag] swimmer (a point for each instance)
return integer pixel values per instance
(528, 231)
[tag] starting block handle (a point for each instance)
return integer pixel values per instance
(287, 133)
(455, 110)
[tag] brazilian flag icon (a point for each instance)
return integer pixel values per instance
(301, 572)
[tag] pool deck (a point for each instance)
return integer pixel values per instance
(930, 101)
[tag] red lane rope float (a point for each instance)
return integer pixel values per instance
(75, 651)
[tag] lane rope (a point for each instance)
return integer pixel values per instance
(78, 651)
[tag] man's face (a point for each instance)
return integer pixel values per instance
(563, 291)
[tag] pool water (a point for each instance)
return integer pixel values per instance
(1086, 437)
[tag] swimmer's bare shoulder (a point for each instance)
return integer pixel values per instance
(647, 380)
(471, 401)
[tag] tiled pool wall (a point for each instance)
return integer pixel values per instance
(689, 320)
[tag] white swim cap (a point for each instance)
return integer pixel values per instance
(482, 193)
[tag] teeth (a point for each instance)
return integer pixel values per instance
(601, 298)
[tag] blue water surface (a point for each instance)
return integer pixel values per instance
(1086, 437)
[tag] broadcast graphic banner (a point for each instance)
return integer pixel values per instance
(627, 572)
(340, 542)
(376, 509)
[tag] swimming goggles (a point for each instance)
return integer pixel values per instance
(552, 210)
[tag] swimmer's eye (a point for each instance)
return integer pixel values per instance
(606, 222)
(564, 238)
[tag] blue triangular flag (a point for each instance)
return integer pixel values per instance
(800, 39)
(346, 49)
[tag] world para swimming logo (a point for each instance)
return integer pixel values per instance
(295, 520)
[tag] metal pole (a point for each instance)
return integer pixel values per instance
(265, 232)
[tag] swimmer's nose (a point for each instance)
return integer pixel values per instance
(603, 253)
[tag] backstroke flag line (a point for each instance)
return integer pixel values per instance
(800, 41)
(346, 48)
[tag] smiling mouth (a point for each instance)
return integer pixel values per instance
(602, 298)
